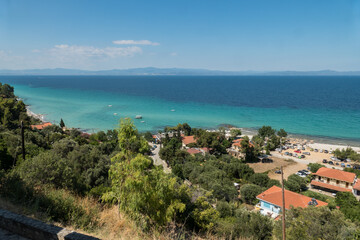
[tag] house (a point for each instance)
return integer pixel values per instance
(333, 180)
(194, 151)
(271, 201)
(186, 140)
(356, 189)
(41, 126)
(157, 138)
(235, 149)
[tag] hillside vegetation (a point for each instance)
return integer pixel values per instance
(107, 185)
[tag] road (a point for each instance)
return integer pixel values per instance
(6, 235)
(158, 161)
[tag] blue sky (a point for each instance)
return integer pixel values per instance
(257, 35)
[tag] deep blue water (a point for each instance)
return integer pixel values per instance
(326, 106)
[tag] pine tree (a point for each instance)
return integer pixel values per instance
(62, 124)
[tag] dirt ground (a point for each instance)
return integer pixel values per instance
(289, 167)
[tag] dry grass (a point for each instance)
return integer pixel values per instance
(112, 225)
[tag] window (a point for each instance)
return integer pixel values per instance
(266, 205)
(347, 184)
(328, 180)
(337, 181)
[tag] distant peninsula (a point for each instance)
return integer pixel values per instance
(173, 71)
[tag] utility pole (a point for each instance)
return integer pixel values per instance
(22, 140)
(283, 204)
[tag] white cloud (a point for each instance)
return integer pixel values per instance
(135, 42)
(70, 51)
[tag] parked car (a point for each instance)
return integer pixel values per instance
(290, 154)
(331, 162)
(321, 151)
(306, 153)
(302, 156)
(342, 164)
(295, 155)
(348, 165)
(337, 164)
(287, 153)
(302, 148)
(297, 151)
(333, 158)
(315, 150)
(304, 172)
(326, 151)
(278, 171)
(325, 161)
(301, 174)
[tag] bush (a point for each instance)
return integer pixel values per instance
(314, 167)
(249, 192)
(260, 179)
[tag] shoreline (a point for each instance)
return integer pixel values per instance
(319, 142)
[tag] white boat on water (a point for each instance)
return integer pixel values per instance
(109, 105)
(138, 117)
(173, 110)
(115, 114)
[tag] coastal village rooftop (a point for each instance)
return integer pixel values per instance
(274, 196)
(188, 139)
(41, 126)
(336, 174)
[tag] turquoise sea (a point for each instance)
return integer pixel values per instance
(322, 107)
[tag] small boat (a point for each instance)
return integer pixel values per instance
(173, 110)
(138, 117)
(109, 105)
(142, 121)
(115, 114)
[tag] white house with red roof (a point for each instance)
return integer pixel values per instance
(271, 201)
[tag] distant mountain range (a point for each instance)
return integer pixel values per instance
(174, 71)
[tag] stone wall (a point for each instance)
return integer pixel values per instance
(37, 230)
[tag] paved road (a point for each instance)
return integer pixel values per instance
(6, 235)
(158, 161)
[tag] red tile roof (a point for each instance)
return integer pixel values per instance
(237, 142)
(205, 149)
(357, 185)
(274, 196)
(193, 151)
(329, 186)
(336, 174)
(188, 139)
(41, 126)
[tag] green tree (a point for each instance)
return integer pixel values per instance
(260, 179)
(130, 142)
(295, 183)
(204, 214)
(249, 192)
(315, 223)
(146, 194)
(62, 124)
(235, 132)
(266, 131)
(282, 133)
(314, 167)
(248, 149)
(348, 205)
